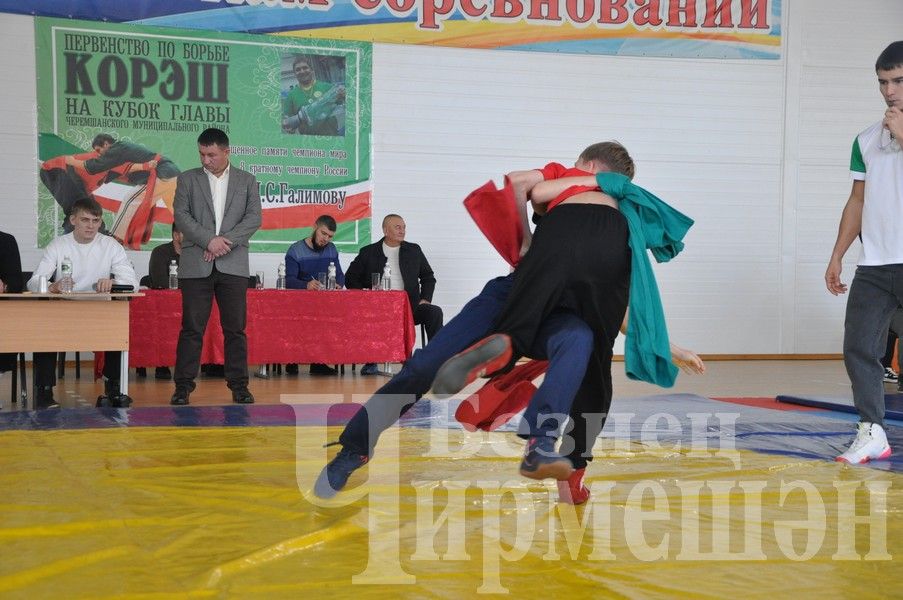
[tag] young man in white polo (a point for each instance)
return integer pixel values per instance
(874, 211)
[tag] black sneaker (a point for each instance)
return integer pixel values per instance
(44, 398)
(890, 376)
(112, 398)
(335, 475)
(122, 401)
(115, 400)
(162, 373)
(242, 396)
(370, 369)
(541, 461)
(180, 397)
(321, 369)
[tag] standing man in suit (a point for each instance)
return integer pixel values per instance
(411, 272)
(217, 209)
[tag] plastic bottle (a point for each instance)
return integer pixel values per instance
(330, 276)
(66, 282)
(280, 277)
(387, 278)
(173, 275)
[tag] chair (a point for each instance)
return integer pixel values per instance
(145, 281)
(61, 365)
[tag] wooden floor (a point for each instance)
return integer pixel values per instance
(747, 378)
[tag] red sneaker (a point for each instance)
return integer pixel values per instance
(485, 357)
(572, 491)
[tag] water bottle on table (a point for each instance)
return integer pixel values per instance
(66, 283)
(173, 275)
(330, 276)
(280, 277)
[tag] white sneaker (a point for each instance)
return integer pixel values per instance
(890, 376)
(870, 444)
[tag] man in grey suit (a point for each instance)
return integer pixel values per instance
(217, 208)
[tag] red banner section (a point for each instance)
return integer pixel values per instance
(356, 207)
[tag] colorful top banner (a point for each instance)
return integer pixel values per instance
(120, 108)
(743, 29)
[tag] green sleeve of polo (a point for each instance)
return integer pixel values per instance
(856, 162)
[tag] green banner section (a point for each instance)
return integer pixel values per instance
(120, 108)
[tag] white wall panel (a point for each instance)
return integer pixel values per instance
(706, 136)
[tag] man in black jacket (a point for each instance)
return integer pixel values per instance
(10, 282)
(410, 271)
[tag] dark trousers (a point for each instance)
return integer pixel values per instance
(875, 294)
(589, 408)
(430, 316)
(392, 400)
(45, 367)
(565, 340)
(230, 292)
(567, 343)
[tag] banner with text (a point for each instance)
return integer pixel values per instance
(744, 29)
(120, 108)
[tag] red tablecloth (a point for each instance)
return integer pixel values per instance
(299, 326)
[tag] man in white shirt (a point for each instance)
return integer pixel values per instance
(873, 211)
(98, 261)
(410, 272)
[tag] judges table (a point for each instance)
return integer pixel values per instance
(284, 326)
(66, 323)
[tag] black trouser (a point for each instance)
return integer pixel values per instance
(579, 261)
(590, 407)
(430, 316)
(45, 367)
(197, 299)
(588, 411)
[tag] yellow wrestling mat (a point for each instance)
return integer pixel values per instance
(222, 512)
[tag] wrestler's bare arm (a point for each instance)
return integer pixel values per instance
(546, 191)
(523, 183)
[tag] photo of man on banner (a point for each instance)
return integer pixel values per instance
(313, 94)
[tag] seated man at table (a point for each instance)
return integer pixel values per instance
(98, 261)
(161, 256)
(304, 260)
(410, 271)
(10, 283)
(158, 273)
